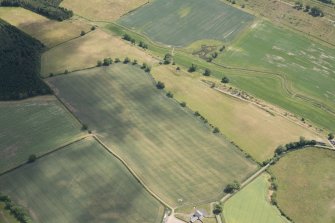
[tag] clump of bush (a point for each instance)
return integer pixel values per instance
(207, 72)
(168, 58)
(225, 80)
(146, 67)
(143, 45)
(107, 61)
(126, 60)
(216, 130)
(128, 38)
(232, 187)
(160, 85)
(169, 94)
(183, 104)
(217, 209)
(192, 68)
(32, 158)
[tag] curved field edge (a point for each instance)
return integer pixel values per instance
(252, 204)
(34, 126)
(84, 183)
(305, 185)
(173, 152)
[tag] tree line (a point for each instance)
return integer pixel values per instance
(19, 64)
(313, 11)
(282, 149)
(47, 8)
(19, 213)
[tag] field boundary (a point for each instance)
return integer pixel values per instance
(137, 177)
(46, 154)
(274, 111)
(66, 41)
(272, 162)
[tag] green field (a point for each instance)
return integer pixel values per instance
(252, 204)
(179, 23)
(80, 183)
(306, 80)
(33, 126)
(173, 152)
(306, 182)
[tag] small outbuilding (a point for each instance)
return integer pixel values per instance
(197, 216)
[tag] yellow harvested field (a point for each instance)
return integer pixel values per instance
(84, 52)
(102, 10)
(254, 130)
(49, 32)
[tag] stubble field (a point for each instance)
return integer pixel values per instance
(80, 183)
(173, 152)
(34, 126)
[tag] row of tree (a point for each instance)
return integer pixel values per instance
(274, 188)
(128, 38)
(294, 145)
(48, 9)
(14, 210)
(109, 61)
(314, 11)
(280, 150)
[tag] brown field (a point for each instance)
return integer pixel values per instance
(86, 51)
(282, 12)
(256, 131)
(49, 32)
(102, 10)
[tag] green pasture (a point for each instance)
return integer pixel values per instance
(304, 71)
(173, 152)
(33, 126)
(306, 182)
(80, 183)
(179, 23)
(252, 204)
